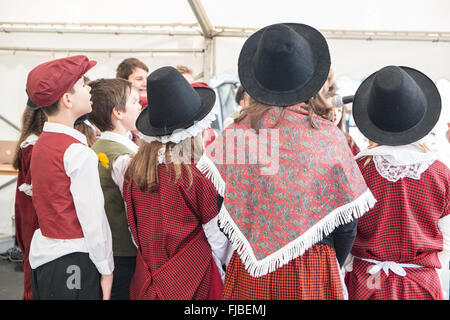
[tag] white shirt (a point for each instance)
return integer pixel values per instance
(81, 166)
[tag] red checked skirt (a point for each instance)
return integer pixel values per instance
(312, 276)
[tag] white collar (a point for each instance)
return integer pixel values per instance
(399, 155)
(123, 140)
(62, 128)
(397, 162)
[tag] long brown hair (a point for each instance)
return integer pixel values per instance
(143, 168)
(317, 106)
(256, 110)
(32, 123)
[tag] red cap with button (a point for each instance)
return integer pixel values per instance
(48, 82)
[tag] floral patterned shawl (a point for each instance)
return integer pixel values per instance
(303, 184)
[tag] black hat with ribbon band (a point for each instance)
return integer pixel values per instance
(396, 106)
(284, 64)
(173, 104)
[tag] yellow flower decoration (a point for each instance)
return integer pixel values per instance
(103, 160)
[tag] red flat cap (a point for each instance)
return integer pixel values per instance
(47, 82)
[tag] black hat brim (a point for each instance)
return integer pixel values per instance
(319, 48)
(208, 98)
(420, 130)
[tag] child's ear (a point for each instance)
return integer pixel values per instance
(66, 100)
(117, 113)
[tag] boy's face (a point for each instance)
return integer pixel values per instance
(139, 80)
(132, 110)
(81, 98)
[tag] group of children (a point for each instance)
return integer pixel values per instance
(151, 211)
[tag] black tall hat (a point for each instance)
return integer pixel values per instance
(284, 64)
(173, 103)
(396, 106)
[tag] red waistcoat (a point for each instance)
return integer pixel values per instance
(52, 198)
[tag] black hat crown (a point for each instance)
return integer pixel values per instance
(283, 59)
(284, 64)
(172, 103)
(396, 106)
(396, 101)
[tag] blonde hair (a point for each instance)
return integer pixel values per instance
(143, 168)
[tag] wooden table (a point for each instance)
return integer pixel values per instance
(7, 170)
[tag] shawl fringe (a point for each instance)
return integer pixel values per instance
(294, 249)
(297, 247)
(208, 168)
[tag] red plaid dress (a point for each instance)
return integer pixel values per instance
(174, 259)
(26, 221)
(312, 276)
(402, 227)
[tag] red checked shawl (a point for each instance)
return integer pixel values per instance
(272, 219)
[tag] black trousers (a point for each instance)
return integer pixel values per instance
(123, 273)
(70, 277)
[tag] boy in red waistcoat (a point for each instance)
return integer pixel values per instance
(71, 252)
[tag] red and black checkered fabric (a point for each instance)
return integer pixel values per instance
(418, 284)
(402, 227)
(312, 276)
(26, 221)
(174, 259)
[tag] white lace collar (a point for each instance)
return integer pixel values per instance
(182, 134)
(397, 162)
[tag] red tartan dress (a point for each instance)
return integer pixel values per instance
(174, 260)
(26, 221)
(402, 227)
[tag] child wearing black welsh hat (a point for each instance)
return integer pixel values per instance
(172, 207)
(292, 192)
(405, 238)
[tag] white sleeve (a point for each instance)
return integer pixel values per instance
(81, 165)
(444, 255)
(119, 168)
(444, 227)
(220, 246)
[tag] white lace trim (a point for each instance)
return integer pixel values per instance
(182, 134)
(27, 189)
(29, 141)
(394, 173)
